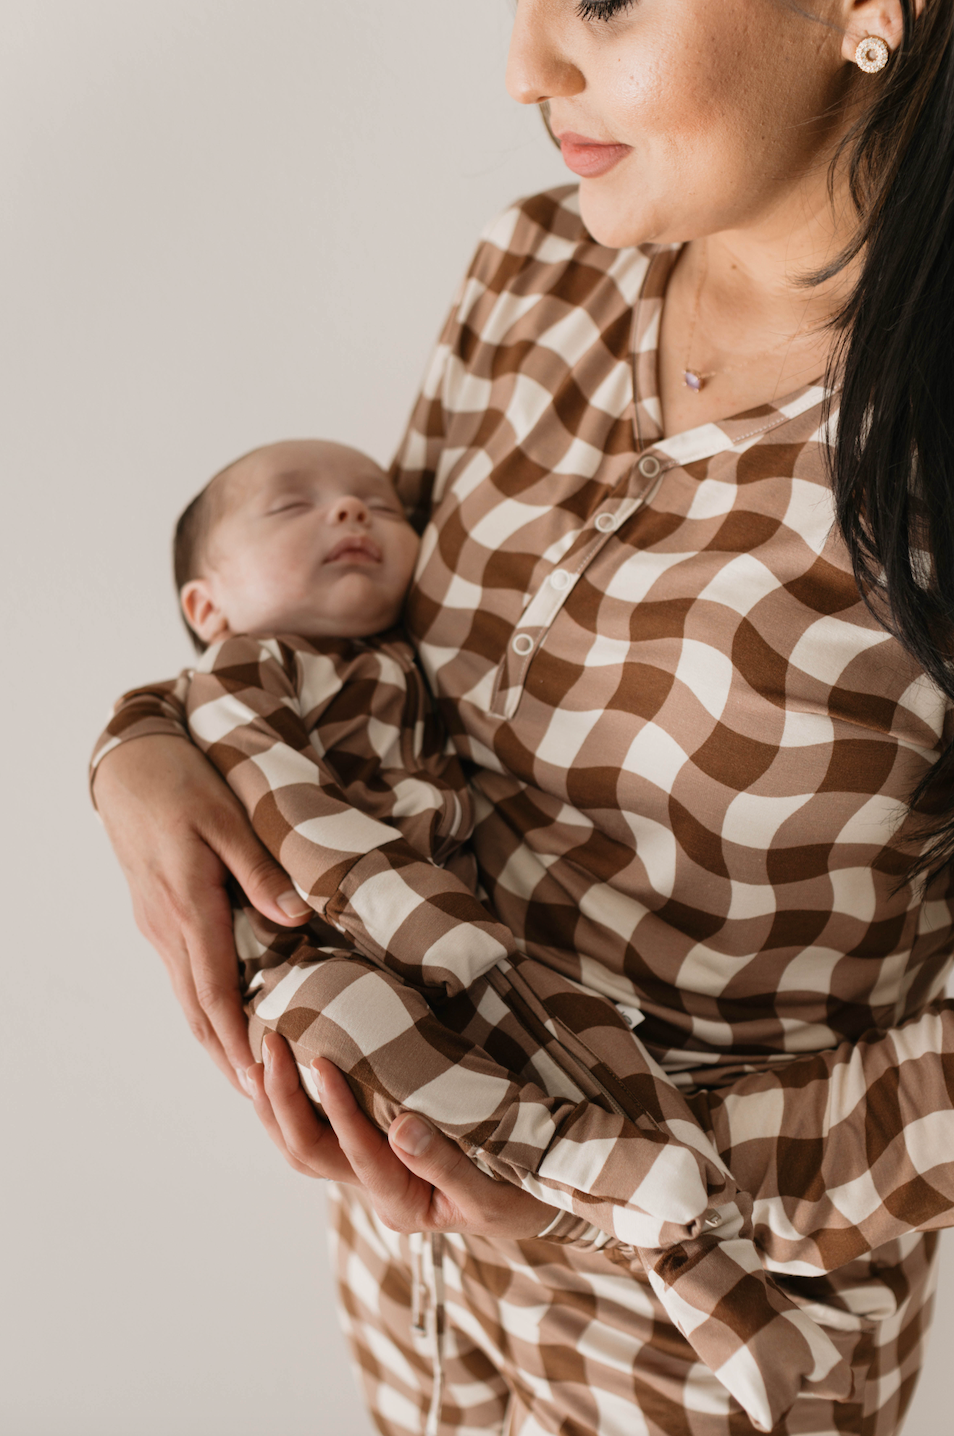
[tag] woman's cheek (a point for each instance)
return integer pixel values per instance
(667, 111)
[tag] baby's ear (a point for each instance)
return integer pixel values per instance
(202, 614)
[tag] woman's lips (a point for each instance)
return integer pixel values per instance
(590, 158)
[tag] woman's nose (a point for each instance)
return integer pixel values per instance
(539, 66)
(348, 509)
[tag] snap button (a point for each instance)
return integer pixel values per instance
(522, 644)
(712, 1218)
(606, 523)
(649, 466)
(560, 579)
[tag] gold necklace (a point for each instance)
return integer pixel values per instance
(691, 377)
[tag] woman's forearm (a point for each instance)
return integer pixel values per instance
(178, 832)
(844, 1150)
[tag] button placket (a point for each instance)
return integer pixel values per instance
(545, 604)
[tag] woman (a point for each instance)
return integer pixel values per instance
(695, 708)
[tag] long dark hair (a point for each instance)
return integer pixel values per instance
(892, 466)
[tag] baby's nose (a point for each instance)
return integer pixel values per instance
(349, 509)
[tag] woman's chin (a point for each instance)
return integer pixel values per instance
(608, 221)
(611, 220)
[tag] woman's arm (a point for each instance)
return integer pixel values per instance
(178, 832)
(845, 1150)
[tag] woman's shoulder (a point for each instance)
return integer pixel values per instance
(540, 244)
(553, 216)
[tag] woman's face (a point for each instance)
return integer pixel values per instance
(707, 111)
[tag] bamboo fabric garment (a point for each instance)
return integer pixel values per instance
(690, 745)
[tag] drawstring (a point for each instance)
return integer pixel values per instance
(427, 1312)
(436, 1245)
(418, 1289)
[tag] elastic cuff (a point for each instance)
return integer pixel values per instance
(567, 1228)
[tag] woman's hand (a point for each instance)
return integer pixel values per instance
(178, 831)
(417, 1179)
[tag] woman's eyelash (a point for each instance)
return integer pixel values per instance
(602, 9)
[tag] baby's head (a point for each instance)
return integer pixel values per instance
(305, 537)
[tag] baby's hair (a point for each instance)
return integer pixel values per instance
(188, 549)
(190, 543)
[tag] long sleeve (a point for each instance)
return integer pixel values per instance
(841, 1151)
(156, 709)
(354, 866)
(845, 1150)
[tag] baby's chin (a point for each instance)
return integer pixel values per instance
(346, 621)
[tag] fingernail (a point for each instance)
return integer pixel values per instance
(266, 1054)
(244, 1082)
(292, 905)
(316, 1077)
(413, 1136)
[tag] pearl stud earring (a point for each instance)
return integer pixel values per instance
(872, 54)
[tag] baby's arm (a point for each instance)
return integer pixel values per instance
(356, 871)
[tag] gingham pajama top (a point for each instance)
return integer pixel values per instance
(690, 745)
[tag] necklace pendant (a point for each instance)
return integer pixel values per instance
(693, 381)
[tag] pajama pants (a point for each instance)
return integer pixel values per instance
(529, 1337)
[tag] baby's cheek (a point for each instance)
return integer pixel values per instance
(411, 547)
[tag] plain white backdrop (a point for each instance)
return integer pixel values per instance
(224, 222)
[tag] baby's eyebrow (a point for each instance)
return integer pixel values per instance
(381, 486)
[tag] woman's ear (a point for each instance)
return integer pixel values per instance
(881, 18)
(202, 613)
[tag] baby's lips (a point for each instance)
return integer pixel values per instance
(354, 544)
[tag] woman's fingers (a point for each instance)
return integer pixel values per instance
(419, 1180)
(465, 1199)
(178, 831)
(255, 1080)
(307, 1143)
(178, 965)
(187, 895)
(266, 885)
(401, 1199)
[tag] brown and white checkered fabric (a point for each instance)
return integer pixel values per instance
(336, 756)
(537, 1339)
(690, 746)
(323, 745)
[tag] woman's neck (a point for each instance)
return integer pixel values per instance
(740, 317)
